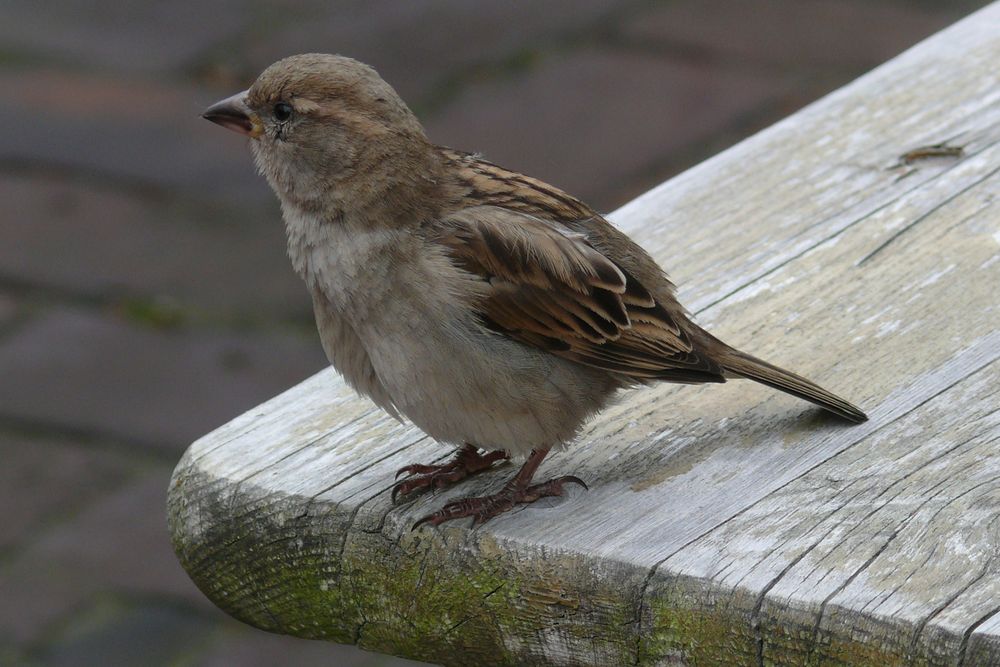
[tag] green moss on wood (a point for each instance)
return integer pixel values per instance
(464, 598)
(692, 621)
(689, 625)
(446, 596)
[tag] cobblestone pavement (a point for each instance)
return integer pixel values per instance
(145, 296)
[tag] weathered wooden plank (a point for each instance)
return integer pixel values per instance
(723, 523)
(895, 537)
(984, 641)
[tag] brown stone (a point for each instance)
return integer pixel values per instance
(106, 243)
(129, 133)
(96, 373)
(418, 46)
(790, 34)
(43, 481)
(590, 121)
(134, 36)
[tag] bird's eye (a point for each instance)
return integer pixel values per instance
(282, 111)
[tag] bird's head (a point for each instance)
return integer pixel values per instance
(327, 131)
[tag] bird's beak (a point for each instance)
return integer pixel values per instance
(234, 114)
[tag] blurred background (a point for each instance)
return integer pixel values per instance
(145, 296)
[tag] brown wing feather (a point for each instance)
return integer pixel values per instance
(548, 287)
(559, 279)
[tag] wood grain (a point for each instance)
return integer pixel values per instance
(724, 524)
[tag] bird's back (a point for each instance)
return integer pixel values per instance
(657, 339)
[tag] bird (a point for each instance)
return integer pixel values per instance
(492, 310)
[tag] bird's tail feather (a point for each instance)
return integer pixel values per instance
(744, 365)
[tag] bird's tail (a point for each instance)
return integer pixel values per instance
(740, 364)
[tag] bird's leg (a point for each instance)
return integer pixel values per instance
(518, 490)
(467, 461)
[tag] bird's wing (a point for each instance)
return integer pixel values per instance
(548, 287)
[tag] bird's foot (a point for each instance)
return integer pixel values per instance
(467, 461)
(486, 507)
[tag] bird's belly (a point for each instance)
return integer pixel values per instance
(461, 383)
(435, 362)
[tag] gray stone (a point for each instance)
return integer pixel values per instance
(9, 307)
(34, 597)
(417, 45)
(129, 36)
(98, 373)
(44, 480)
(147, 133)
(119, 543)
(590, 121)
(115, 545)
(11, 655)
(105, 242)
(112, 632)
(248, 647)
(791, 34)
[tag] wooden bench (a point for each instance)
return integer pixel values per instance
(857, 242)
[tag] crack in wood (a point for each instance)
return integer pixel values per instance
(920, 218)
(934, 548)
(755, 624)
(640, 608)
(366, 467)
(825, 239)
(918, 632)
(967, 635)
(820, 521)
(864, 566)
(844, 505)
(989, 344)
(307, 445)
(469, 617)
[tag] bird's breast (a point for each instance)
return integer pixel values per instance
(411, 310)
(354, 267)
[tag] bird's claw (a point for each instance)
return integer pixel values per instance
(418, 469)
(484, 508)
(468, 461)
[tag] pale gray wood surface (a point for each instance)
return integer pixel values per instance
(724, 524)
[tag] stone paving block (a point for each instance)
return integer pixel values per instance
(590, 120)
(118, 543)
(112, 633)
(242, 645)
(415, 44)
(40, 594)
(128, 130)
(11, 655)
(94, 372)
(42, 479)
(102, 242)
(127, 36)
(850, 36)
(33, 597)
(8, 308)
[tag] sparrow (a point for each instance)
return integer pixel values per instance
(494, 311)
